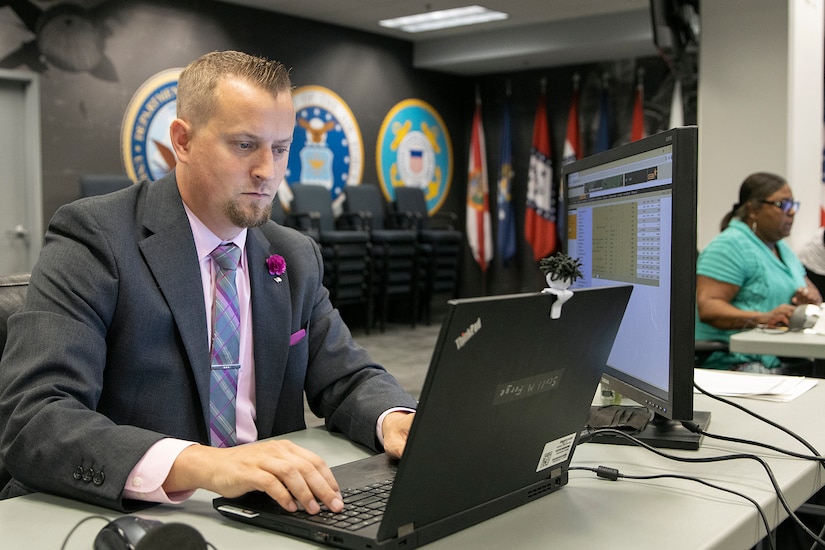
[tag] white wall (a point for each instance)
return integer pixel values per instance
(805, 120)
(760, 105)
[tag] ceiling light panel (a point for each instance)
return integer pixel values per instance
(442, 19)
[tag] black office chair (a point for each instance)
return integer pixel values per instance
(12, 294)
(100, 184)
(278, 215)
(344, 245)
(703, 349)
(441, 246)
(394, 251)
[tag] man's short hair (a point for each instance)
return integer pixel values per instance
(197, 82)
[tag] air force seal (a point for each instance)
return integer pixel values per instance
(414, 150)
(327, 148)
(144, 135)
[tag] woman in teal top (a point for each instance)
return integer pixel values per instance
(749, 277)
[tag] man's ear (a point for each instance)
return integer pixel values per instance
(180, 133)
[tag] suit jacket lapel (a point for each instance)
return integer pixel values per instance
(271, 314)
(169, 251)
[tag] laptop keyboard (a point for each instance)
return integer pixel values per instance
(362, 507)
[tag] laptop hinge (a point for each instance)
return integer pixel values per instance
(405, 530)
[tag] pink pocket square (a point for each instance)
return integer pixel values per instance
(297, 337)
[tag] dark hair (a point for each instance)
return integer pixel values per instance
(756, 188)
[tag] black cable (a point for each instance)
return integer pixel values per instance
(613, 475)
(77, 525)
(758, 417)
(816, 543)
(818, 458)
(722, 458)
(770, 422)
(695, 428)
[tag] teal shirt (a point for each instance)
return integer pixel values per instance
(738, 257)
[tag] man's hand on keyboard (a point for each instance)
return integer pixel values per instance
(396, 429)
(290, 474)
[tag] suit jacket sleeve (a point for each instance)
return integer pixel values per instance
(342, 383)
(59, 356)
(109, 354)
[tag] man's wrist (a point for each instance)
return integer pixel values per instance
(379, 425)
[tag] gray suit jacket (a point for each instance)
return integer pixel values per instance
(109, 353)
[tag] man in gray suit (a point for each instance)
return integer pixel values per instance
(104, 384)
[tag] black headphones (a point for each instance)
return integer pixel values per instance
(133, 532)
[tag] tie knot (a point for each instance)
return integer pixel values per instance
(226, 256)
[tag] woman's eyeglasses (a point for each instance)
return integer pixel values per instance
(786, 205)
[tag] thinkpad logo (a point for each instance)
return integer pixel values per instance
(467, 334)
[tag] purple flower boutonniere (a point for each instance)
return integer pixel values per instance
(277, 266)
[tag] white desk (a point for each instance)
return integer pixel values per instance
(587, 513)
(786, 344)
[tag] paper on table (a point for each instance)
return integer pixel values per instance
(768, 387)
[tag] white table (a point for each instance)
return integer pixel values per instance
(783, 343)
(587, 513)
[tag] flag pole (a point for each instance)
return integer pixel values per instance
(482, 237)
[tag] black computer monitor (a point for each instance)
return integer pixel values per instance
(630, 217)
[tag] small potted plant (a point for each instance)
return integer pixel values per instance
(560, 271)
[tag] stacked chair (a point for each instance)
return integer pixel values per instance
(101, 184)
(394, 251)
(440, 246)
(278, 215)
(344, 243)
(13, 290)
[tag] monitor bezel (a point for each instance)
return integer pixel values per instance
(677, 404)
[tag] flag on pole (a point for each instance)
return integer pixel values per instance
(603, 133)
(572, 145)
(637, 127)
(540, 215)
(478, 208)
(572, 151)
(822, 189)
(506, 218)
(677, 108)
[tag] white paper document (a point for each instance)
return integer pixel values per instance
(768, 387)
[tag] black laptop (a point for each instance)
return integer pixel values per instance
(506, 395)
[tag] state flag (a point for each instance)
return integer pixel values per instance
(506, 218)
(479, 232)
(540, 215)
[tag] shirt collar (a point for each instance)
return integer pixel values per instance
(206, 241)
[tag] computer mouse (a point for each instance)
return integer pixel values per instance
(804, 316)
(124, 533)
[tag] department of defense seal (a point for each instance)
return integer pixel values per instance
(144, 134)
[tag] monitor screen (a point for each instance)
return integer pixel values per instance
(630, 217)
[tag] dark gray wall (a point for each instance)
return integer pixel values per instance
(82, 112)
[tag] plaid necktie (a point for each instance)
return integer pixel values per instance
(226, 318)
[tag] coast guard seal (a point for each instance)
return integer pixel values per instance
(414, 150)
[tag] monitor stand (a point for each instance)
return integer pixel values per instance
(662, 433)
